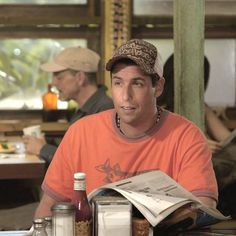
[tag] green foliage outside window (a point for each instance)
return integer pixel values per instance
(21, 80)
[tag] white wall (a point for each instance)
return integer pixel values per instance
(221, 87)
(221, 54)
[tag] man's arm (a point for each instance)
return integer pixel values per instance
(44, 207)
(47, 152)
(215, 126)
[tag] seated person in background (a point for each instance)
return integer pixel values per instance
(135, 137)
(215, 129)
(74, 75)
(224, 160)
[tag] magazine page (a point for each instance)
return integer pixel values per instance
(154, 208)
(153, 182)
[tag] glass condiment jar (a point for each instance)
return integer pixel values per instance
(63, 219)
(39, 227)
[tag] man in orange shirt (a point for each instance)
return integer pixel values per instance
(135, 137)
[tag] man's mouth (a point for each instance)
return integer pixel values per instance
(127, 109)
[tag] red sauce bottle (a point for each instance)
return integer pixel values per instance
(83, 212)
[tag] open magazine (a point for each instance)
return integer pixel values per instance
(155, 195)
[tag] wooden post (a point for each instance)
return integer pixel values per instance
(116, 17)
(188, 59)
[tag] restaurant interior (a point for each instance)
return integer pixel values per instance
(34, 31)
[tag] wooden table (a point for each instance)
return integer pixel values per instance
(21, 166)
(16, 126)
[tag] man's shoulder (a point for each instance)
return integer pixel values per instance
(174, 120)
(97, 117)
(171, 116)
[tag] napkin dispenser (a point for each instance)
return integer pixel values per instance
(112, 215)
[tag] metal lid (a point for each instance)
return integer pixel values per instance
(63, 207)
(48, 219)
(79, 175)
(38, 222)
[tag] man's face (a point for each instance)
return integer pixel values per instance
(133, 95)
(66, 83)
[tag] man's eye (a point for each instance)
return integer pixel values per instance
(117, 82)
(139, 84)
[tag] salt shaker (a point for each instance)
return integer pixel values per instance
(63, 219)
(48, 220)
(39, 227)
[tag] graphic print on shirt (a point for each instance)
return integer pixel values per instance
(113, 172)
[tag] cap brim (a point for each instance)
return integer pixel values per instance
(52, 67)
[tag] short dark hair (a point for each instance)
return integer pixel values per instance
(167, 97)
(127, 61)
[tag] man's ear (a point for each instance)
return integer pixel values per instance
(160, 87)
(80, 77)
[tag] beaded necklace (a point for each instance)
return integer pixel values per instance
(158, 115)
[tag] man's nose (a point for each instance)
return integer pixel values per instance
(127, 92)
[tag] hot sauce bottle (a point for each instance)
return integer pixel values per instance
(49, 99)
(83, 212)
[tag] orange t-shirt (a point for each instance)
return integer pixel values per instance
(95, 146)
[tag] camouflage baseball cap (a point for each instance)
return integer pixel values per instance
(143, 53)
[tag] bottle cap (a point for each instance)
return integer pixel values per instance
(79, 175)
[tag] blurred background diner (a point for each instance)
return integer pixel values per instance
(35, 31)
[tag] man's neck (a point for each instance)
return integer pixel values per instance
(85, 93)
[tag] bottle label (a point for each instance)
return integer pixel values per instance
(79, 185)
(83, 228)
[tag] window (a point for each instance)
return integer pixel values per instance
(221, 87)
(22, 82)
(32, 32)
(43, 2)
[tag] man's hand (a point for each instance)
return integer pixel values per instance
(44, 207)
(186, 214)
(33, 145)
